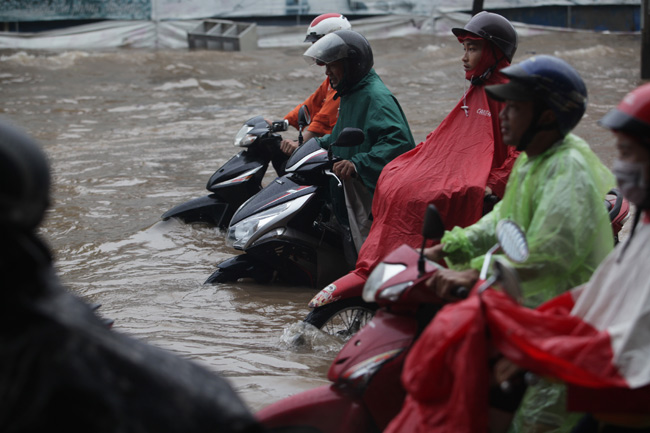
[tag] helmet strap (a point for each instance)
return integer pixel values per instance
(534, 128)
(344, 87)
(481, 79)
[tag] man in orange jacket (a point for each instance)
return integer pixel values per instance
(323, 108)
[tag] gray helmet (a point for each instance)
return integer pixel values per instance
(24, 180)
(493, 28)
(346, 45)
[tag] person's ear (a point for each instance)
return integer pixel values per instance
(547, 120)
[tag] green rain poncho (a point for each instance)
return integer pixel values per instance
(557, 198)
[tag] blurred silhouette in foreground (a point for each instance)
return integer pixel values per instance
(61, 367)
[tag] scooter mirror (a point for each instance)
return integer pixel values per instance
(433, 228)
(512, 241)
(280, 125)
(349, 137)
(508, 279)
(304, 118)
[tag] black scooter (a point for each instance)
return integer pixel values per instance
(241, 176)
(287, 231)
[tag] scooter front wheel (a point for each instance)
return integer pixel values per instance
(342, 318)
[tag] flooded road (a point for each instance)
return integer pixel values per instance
(130, 134)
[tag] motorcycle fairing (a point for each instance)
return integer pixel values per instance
(308, 155)
(388, 332)
(240, 168)
(208, 209)
(351, 285)
(325, 409)
(279, 191)
(387, 338)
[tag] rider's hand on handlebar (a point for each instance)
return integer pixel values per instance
(434, 253)
(288, 146)
(344, 169)
(504, 370)
(445, 282)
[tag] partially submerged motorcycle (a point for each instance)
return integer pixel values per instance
(342, 311)
(366, 392)
(241, 176)
(288, 231)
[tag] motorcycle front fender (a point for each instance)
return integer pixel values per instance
(208, 209)
(348, 286)
(241, 266)
(324, 409)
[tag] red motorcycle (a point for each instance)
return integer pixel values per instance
(340, 309)
(366, 392)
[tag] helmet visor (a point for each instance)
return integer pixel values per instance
(618, 120)
(312, 37)
(327, 49)
(510, 91)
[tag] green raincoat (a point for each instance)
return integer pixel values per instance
(371, 107)
(557, 198)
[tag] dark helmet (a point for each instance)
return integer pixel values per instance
(548, 80)
(346, 45)
(24, 180)
(493, 28)
(632, 115)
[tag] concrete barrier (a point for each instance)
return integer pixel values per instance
(223, 35)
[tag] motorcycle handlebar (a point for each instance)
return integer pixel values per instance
(280, 125)
(338, 181)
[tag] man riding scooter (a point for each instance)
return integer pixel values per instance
(322, 106)
(367, 104)
(556, 181)
(616, 300)
(594, 337)
(462, 168)
(617, 297)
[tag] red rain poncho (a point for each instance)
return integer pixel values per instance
(595, 338)
(451, 169)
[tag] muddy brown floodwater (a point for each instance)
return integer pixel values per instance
(131, 133)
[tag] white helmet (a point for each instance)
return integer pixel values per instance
(324, 24)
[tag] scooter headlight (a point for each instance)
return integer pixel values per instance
(243, 138)
(240, 234)
(382, 273)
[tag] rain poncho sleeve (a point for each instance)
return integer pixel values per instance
(557, 198)
(371, 107)
(323, 109)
